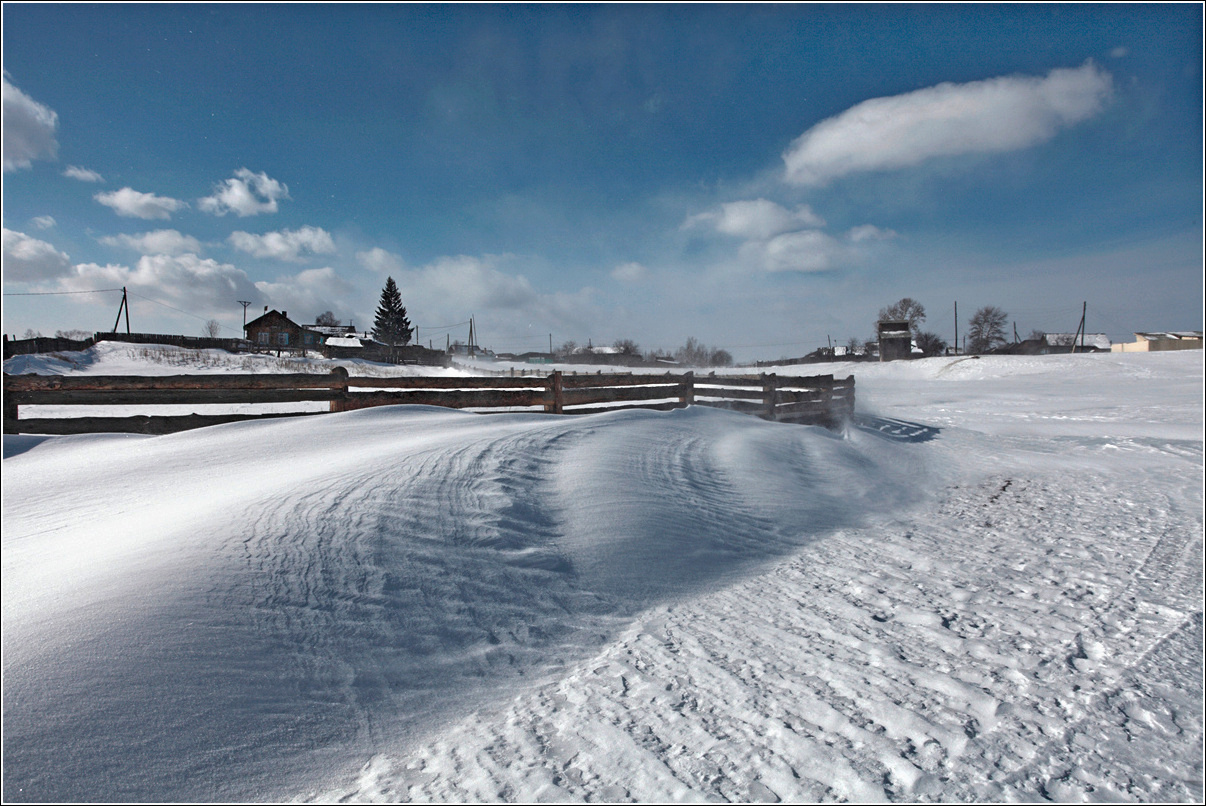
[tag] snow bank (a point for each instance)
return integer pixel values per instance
(990, 588)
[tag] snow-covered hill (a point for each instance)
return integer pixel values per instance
(989, 588)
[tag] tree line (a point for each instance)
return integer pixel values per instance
(986, 329)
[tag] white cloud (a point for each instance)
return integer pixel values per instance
(998, 114)
(291, 245)
(134, 204)
(475, 284)
(200, 286)
(1120, 52)
(869, 232)
(629, 273)
(758, 219)
(82, 174)
(28, 260)
(43, 222)
(380, 261)
(306, 294)
(159, 242)
(29, 129)
(805, 251)
(245, 194)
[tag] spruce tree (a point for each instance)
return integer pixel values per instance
(391, 325)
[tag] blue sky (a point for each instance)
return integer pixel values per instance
(764, 178)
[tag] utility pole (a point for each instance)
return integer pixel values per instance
(957, 327)
(125, 304)
(244, 303)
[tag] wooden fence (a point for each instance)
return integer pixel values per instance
(818, 400)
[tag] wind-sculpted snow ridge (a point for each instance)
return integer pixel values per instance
(250, 610)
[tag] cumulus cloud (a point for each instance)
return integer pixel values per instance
(629, 273)
(29, 260)
(804, 251)
(291, 245)
(82, 174)
(199, 285)
(757, 218)
(305, 294)
(159, 242)
(245, 194)
(28, 130)
(134, 204)
(995, 115)
(44, 222)
(380, 261)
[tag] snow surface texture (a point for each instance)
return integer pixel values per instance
(989, 588)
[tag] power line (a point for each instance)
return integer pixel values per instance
(58, 293)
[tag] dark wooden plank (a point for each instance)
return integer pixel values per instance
(576, 397)
(59, 426)
(178, 397)
(29, 383)
(477, 398)
(728, 394)
(650, 406)
(448, 383)
(589, 381)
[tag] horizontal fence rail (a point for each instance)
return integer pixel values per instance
(815, 400)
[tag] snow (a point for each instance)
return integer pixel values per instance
(988, 588)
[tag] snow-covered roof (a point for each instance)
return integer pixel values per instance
(1170, 335)
(1098, 340)
(343, 341)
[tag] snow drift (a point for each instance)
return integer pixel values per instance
(952, 600)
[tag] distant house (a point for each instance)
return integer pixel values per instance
(1158, 342)
(895, 340)
(1071, 342)
(276, 331)
(366, 348)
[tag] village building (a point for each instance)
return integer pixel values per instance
(895, 340)
(274, 330)
(1158, 342)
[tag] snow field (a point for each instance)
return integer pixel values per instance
(989, 588)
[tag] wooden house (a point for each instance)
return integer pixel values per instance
(275, 331)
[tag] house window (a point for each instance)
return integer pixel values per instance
(263, 336)
(282, 339)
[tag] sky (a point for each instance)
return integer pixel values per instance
(763, 178)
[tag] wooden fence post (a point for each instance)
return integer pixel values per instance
(340, 374)
(11, 413)
(554, 396)
(770, 395)
(687, 398)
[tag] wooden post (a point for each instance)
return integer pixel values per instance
(340, 374)
(554, 400)
(687, 398)
(770, 395)
(11, 413)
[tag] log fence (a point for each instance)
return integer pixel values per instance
(815, 400)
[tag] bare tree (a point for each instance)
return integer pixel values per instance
(930, 344)
(327, 319)
(212, 329)
(906, 310)
(627, 347)
(986, 329)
